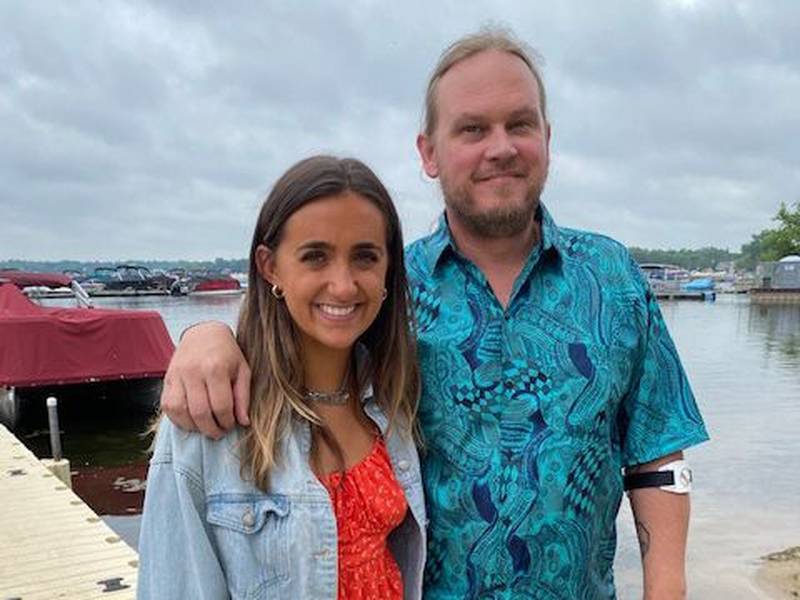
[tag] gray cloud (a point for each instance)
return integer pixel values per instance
(153, 130)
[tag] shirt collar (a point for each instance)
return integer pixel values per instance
(441, 240)
(551, 234)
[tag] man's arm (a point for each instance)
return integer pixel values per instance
(662, 523)
(207, 384)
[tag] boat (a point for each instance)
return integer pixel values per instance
(49, 285)
(212, 283)
(56, 348)
(130, 280)
(241, 278)
(671, 282)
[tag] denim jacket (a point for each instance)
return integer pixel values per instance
(207, 533)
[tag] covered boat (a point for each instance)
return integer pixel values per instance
(45, 346)
(211, 283)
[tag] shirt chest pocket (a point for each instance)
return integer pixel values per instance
(252, 534)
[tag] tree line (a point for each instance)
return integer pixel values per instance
(232, 265)
(777, 242)
(768, 245)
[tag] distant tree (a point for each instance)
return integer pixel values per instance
(691, 259)
(774, 244)
(786, 239)
(752, 252)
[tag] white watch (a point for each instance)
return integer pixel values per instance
(682, 477)
(675, 477)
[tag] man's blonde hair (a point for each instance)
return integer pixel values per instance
(487, 38)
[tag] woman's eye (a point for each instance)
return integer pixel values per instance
(313, 258)
(368, 258)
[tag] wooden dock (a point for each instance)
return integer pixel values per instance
(775, 296)
(52, 545)
(703, 296)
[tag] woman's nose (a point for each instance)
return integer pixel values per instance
(342, 284)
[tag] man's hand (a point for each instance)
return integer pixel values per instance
(207, 385)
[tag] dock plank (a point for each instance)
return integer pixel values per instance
(52, 545)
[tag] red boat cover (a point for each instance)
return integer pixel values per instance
(27, 279)
(47, 346)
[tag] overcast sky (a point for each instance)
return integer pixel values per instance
(154, 130)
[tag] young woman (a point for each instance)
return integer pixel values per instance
(321, 496)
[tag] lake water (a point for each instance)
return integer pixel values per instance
(744, 364)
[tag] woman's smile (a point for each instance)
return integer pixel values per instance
(337, 311)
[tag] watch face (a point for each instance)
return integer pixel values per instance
(685, 476)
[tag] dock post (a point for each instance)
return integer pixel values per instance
(55, 432)
(58, 465)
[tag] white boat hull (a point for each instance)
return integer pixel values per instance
(217, 293)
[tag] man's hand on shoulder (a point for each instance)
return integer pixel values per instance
(207, 384)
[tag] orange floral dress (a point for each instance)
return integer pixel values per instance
(368, 503)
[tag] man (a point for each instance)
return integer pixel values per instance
(547, 368)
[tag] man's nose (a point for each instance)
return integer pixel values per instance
(500, 145)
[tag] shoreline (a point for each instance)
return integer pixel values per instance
(779, 573)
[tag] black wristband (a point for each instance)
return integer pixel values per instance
(635, 481)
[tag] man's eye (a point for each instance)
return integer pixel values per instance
(471, 129)
(521, 126)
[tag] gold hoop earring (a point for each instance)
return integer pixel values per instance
(277, 292)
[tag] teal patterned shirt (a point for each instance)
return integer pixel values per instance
(530, 412)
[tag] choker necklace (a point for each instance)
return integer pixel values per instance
(337, 398)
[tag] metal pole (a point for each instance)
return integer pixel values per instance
(55, 432)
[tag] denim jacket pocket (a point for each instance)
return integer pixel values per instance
(253, 533)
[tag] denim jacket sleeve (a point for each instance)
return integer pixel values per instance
(177, 557)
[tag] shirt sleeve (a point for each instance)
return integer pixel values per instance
(176, 555)
(659, 413)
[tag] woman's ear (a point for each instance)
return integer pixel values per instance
(265, 263)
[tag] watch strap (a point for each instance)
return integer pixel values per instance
(634, 481)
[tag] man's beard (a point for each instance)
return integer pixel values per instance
(500, 222)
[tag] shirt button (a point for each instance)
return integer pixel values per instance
(248, 518)
(403, 465)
